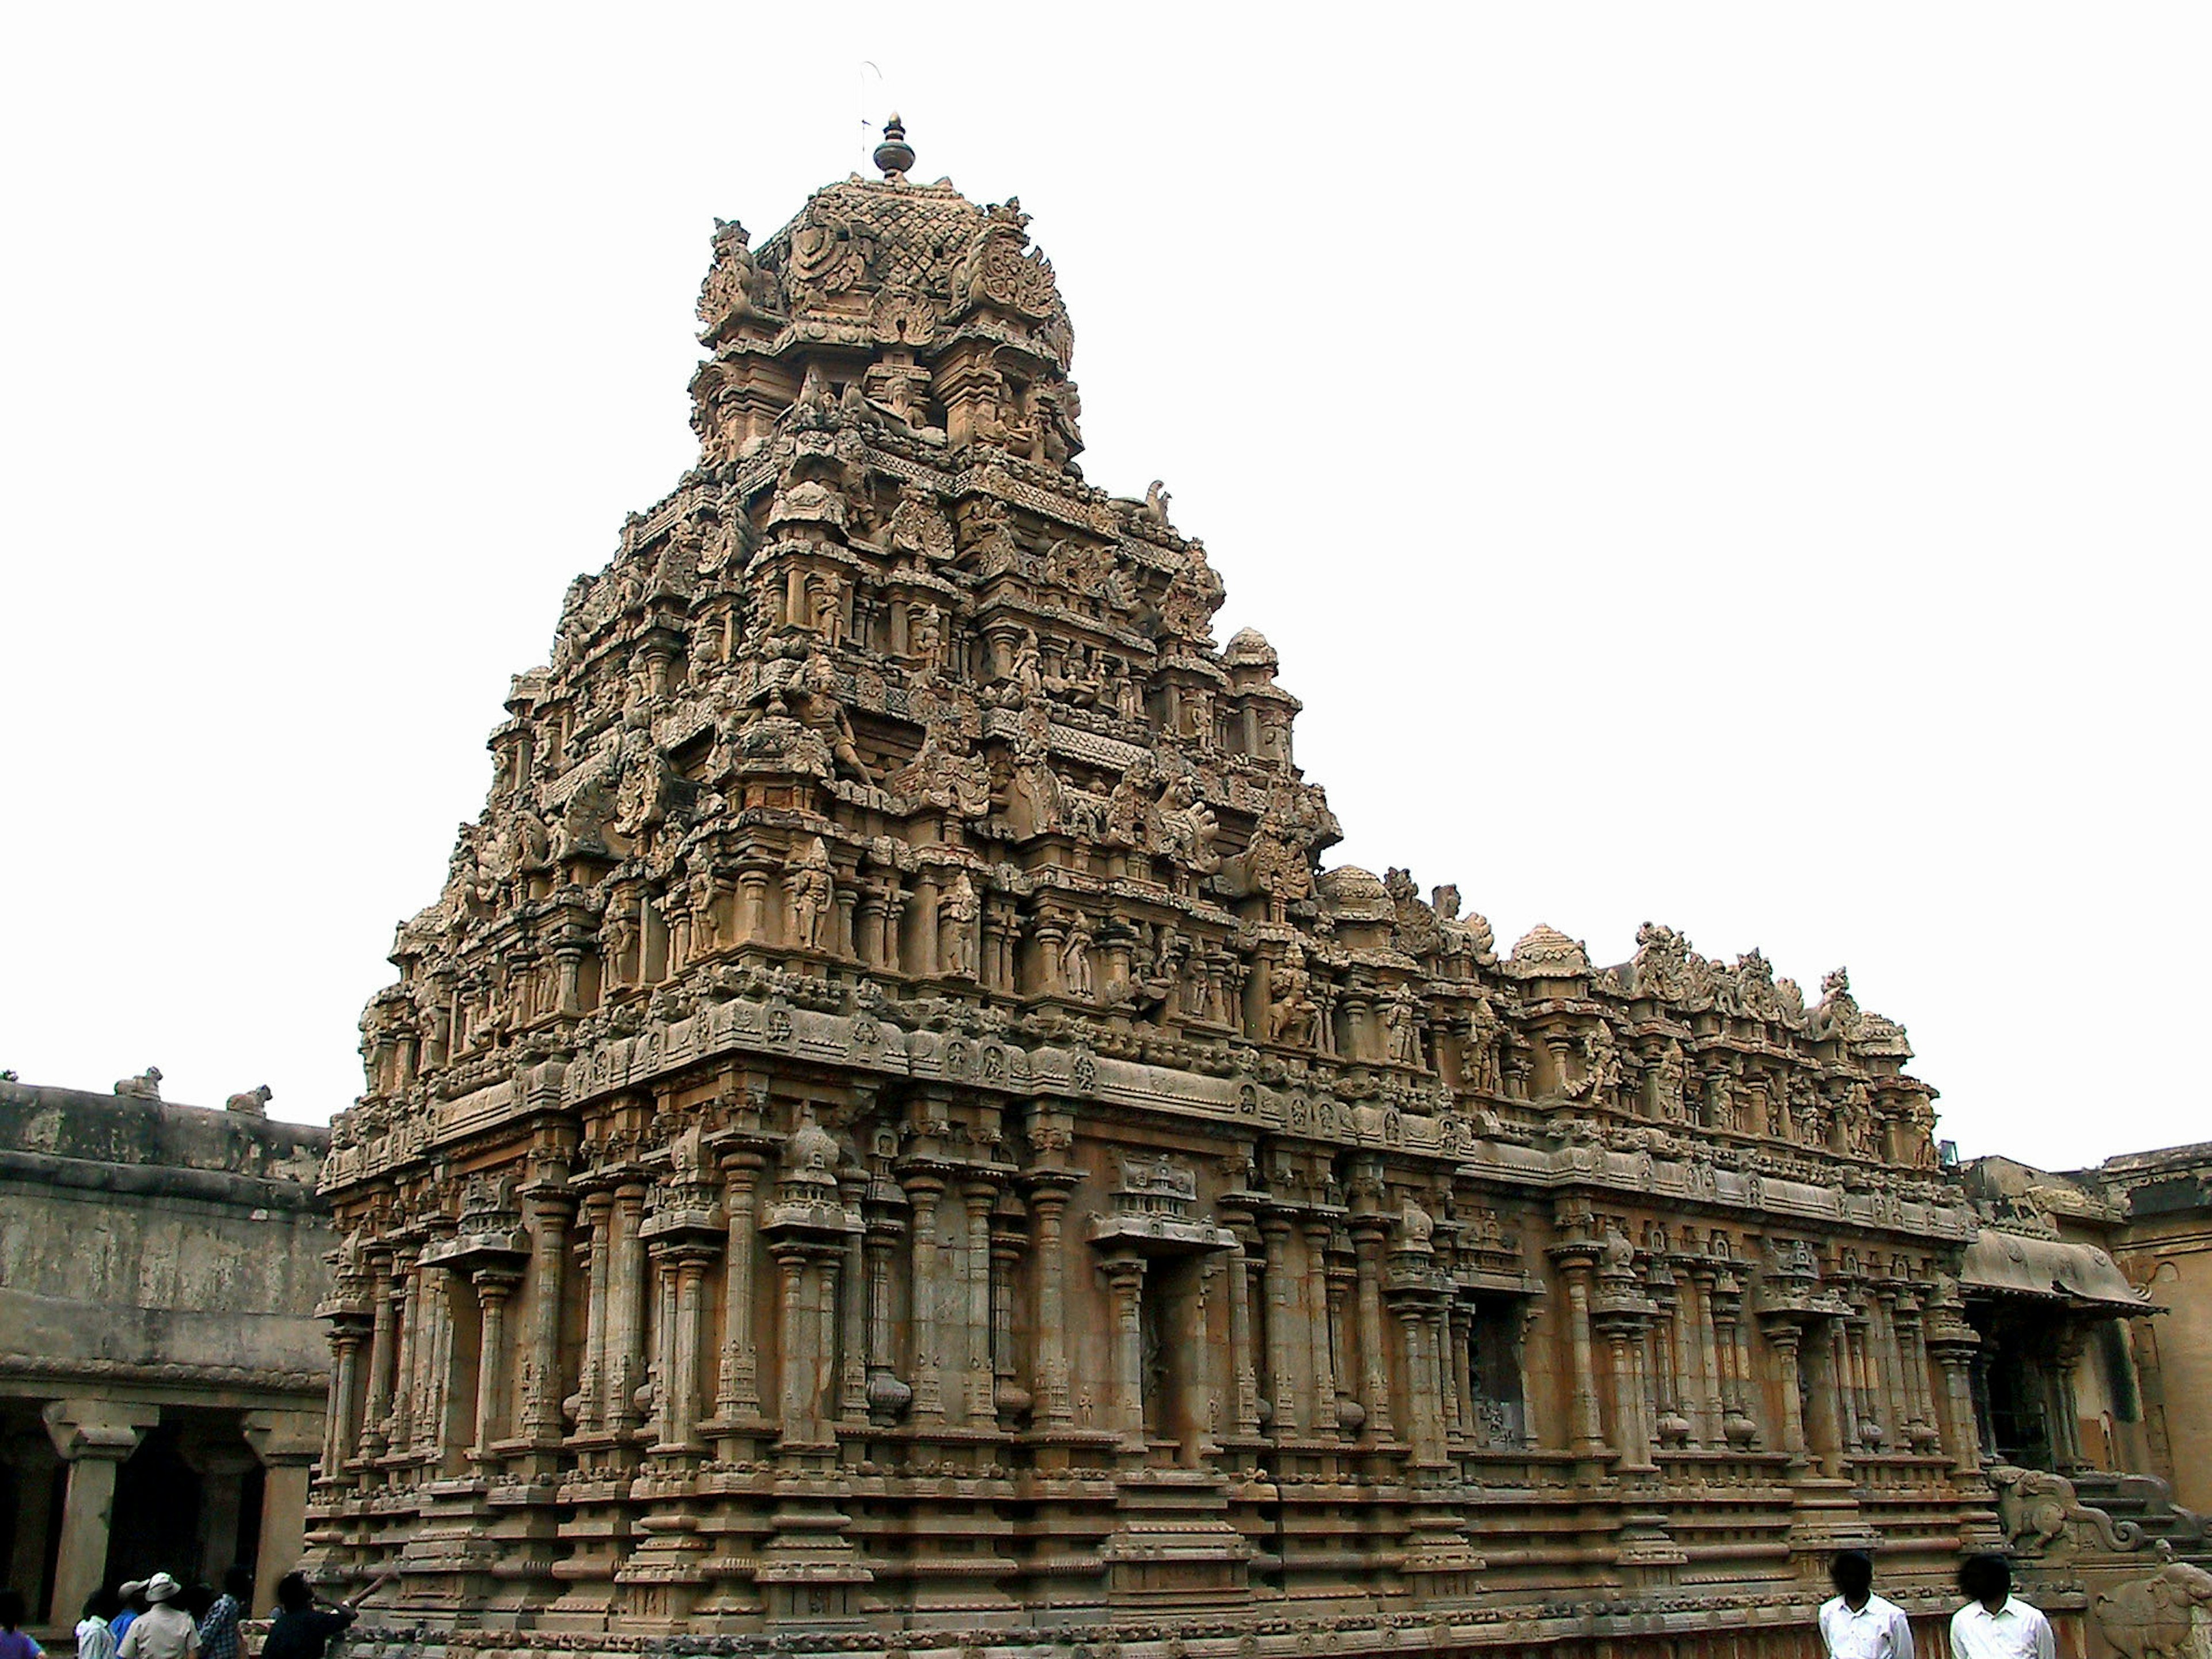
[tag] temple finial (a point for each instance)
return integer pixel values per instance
(894, 155)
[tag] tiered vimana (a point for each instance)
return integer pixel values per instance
(889, 1137)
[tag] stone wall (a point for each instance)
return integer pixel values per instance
(161, 1370)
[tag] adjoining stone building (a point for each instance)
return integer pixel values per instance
(2135, 1390)
(162, 1371)
(889, 1137)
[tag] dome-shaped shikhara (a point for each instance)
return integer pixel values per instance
(892, 905)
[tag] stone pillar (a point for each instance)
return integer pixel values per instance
(1709, 1406)
(384, 1296)
(1342, 1279)
(1683, 1392)
(548, 1216)
(1783, 1341)
(1631, 1436)
(432, 1354)
(1048, 1201)
(597, 1252)
(923, 1189)
(1419, 1322)
(1587, 1427)
(795, 1340)
(625, 1316)
(94, 1438)
(853, 1320)
(340, 1413)
(494, 1285)
(399, 1421)
(680, 1352)
(1126, 1275)
(980, 1194)
(1459, 1336)
(736, 1389)
(1276, 1276)
(1952, 1344)
(286, 1443)
(2064, 1408)
(1246, 1377)
(1322, 1365)
(1367, 1236)
(221, 1470)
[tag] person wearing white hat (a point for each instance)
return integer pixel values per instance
(164, 1631)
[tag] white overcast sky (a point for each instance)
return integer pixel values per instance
(1740, 466)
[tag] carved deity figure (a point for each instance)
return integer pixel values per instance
(814, 893)
(926, 639)
(827, 602)
(1669, 1076)
(823, 715)
(1292, 1012)
(1075, 974)
(1404, 1033)
(957, 915)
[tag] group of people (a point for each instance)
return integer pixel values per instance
(159, 1618)
(1994, 1623)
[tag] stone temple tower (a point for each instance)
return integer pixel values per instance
(889, 1135)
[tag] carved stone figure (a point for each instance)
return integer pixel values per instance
(957, 912)
(813, 894)
(1075, 973)
(2159, 1616)
(147, 1086)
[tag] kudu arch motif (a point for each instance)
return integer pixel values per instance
(889, 1121)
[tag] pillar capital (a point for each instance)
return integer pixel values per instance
(103, 1429)
(280, 1438)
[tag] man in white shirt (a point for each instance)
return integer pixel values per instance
(164, 1631)
(1855, 1622)
(1995, 1623)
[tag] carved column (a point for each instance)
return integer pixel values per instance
(549, 1214)
(1952, 1344)
(1782, 1341)
(852, 1322)
(1007, 1398)
(399, 1420)
(1318, 1325)
(94, 1438)
(625, 1311)
(433, 1356)
(923, 1189)
(1453, 1334)
(597, 1251)
(339, 1418)
(981, 1193)
(1586, 1427)
(1240, 1339)
(1708, 1409)
(1683, 1390)
(1276, 1278)
(796, 1343)
(1343, 1277)
(737, 1391)
(2064, 1408)
(887, 1397)
(384, 1296)
(1632, 1435)
(1367, 1236)
(1125, 1275)
(680, 1352)
(1048, 1194)
(494, 1285)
